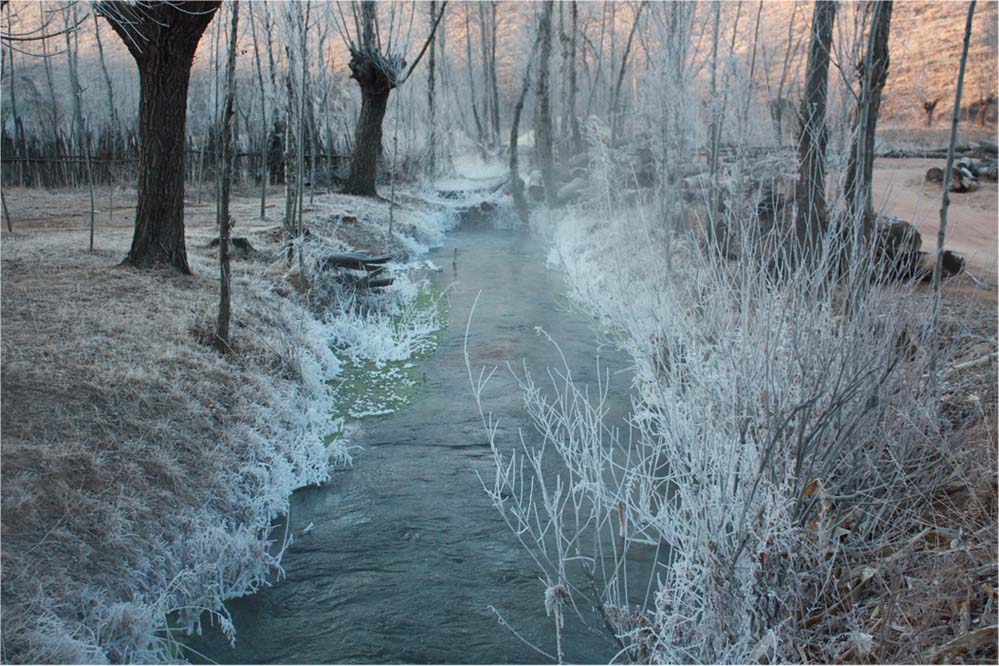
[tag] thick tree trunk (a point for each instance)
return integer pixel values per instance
(860, 167)
(811, 193)
(170, 35)
(159, 218)
(375, 91)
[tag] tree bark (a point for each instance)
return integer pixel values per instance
(810, 193)
(164, 53)
(544, 129)
(376, 74)
(431, 102)
(222, 326)
(945, 204)
(375, 91)
(471, 85)
(492, 73)
(487, 98)
(517, 187)
(874, 74)
(264, 129)
(577, 142)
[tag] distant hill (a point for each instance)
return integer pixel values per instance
(925, 54)
(925, 45)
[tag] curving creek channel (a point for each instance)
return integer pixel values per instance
(406, 553)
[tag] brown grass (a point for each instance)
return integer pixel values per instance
(141, 469)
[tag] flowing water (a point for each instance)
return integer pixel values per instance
(406, 553)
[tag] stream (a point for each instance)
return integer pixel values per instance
(407, 553)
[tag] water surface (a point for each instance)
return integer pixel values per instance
(407, 553)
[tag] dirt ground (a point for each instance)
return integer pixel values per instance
(972, 228)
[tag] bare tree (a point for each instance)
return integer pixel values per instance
(162, 38)
(471, 85)
(377, 74)
(516, 184)
(543, 133)
(873, 75)
(431, 102)
(264, 130)
(929, 106)
(615, 100)
(224, 222)
(811, 189)
(577, 141)
(948, 175)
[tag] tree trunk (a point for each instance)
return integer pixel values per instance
(431, 85)
(492, 74)
(264, 129)
(375, 91)
(577, 142)
(860, 167)
(810, 194)
(487, 99)
(171, 33)
(159, 217)
(517, 186)
(544, 129)
(945, 204)
(222, 326)
(615, 121)
(471, 85)
(291, 174)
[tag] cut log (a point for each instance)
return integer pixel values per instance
(357, 262)
(368, 282)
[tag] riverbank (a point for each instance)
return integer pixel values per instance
(819, 504)
(141, 470)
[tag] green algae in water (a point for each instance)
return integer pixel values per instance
(370, 389)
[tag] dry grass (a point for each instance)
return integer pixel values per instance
(141, 470)
(931, 595)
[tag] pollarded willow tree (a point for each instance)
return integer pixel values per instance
(377, 71)
(162, 38)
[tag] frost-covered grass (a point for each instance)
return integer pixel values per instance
(382, 348)
(785, 464)
(142, 471)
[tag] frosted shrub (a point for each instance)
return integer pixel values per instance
(781, 434)
(167, 483)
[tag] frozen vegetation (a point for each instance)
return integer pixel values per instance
(154, 488)
(781, 463)
(807, 472)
